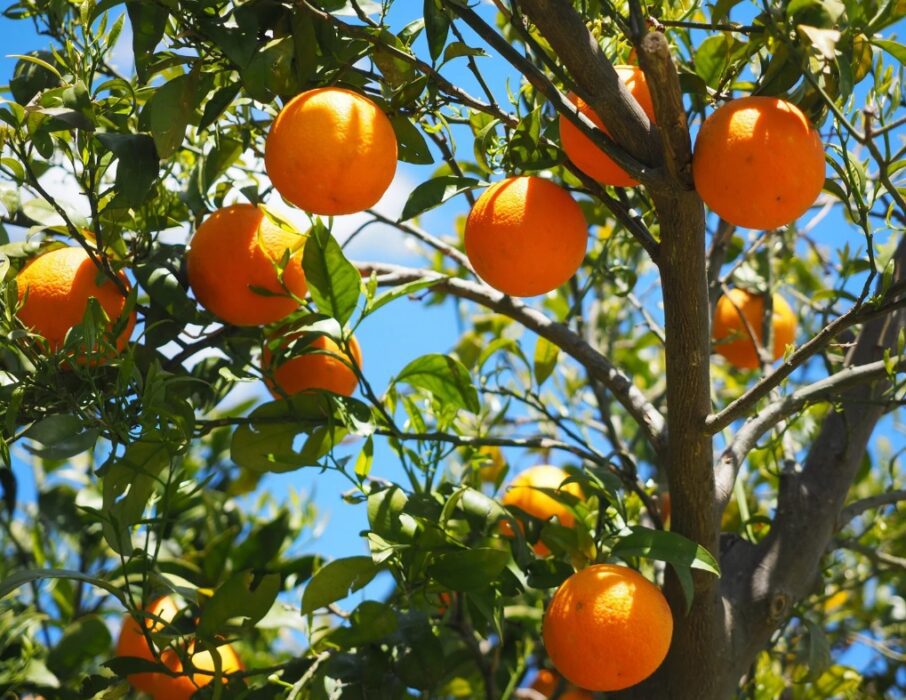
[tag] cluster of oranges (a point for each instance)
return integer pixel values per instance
(606, 627)
(174, 684)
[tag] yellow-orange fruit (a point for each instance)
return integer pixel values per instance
(160, 686)
(607, 628)
(546, 683)
(234, 253)
(314, 368)
(731, 336)
(331, 151)
(184, 687)
(524, 493)
(132, 642)
(492, 464)
(758, 162)
(580, 149)
(526, 236)
(55, 288)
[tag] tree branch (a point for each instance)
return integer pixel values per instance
(857, 314)
(823, 390)
(856, 508)
(599, 367)
(598, 84)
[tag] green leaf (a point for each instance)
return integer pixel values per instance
(137, 167)
(682, 553)
(364, 460)
(135, 474)
(469, 569)
(666, 546)
(270, 71)
(435, 192)
(713, 57)
(82, 641)
(369, 622)
(897, 50)
(412, 145)
(337, 580)
(263, 544)
(334, 282)
(149, 20)
(444, 377)
(169, 111)
(437, 26)
(23, 576)
(546, 354)
(33, 74)
(240, 596)
(61, 437)
(457, 49)
(267, 442)
(401, 291)
(218, 104)
(819, 651)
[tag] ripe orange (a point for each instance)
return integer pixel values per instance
(132, 641)
(580, 149)
(731, 336)
(234, 253)
(524, 494)
(492, 464)
(546, 683)
(160, 686)
(758, 162)
(184, 687)
(55, 288)
(607, 628)
(331, 151)
(314, 368)
(526, 236)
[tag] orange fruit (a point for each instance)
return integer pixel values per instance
(331, 151)
(132, 641)
(524, 494)
(183, 687)
(54, 290)
(314, 368)
(546, 683)
(607, 628)
(758, 162)
(525, 236)
(580, 149)
(731, 336)
(234, 253)
(492, 463)
(160, 686)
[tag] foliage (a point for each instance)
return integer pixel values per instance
(150, 479)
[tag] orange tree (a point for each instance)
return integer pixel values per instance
(762, 496)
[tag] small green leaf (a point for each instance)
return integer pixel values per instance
(401, 291)
(437, 26)
(82, 641)
(334, 282)
(24, 576)
(469, 569)
(819, 651)
(364, 460)
(435, 192)
(444, 377)
(666, 546)
(412, 145)
(267, 442)
(369, 622)
(61, 437)
(240, 596)
(137, 167)
(337, 580)
(546, 354)
(897, 50)
(149, 20)
(169, 111)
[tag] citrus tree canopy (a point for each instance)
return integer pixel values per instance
(647, 442)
